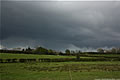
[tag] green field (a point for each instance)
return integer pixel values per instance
(57, 70)
(18, 56)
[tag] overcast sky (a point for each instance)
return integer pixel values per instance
(60, 25)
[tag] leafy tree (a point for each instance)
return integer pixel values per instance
(72, 52)
(50, 51)
(114, 50)
(100, 50)
(41, 50)
(79, 52)
(67, 51)
(78, 55)
(118, 50)
(23, 50)
(28, 49)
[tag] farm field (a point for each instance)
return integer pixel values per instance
(57, 70)
(18, 56)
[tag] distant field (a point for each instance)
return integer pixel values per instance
(19, 56)
(57, 70)
(104, 55)
(83, 57)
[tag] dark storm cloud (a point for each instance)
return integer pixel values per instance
(60, 25)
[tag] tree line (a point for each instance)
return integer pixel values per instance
(42, 50)
(112, 50)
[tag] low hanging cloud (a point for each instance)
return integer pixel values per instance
(60, 25)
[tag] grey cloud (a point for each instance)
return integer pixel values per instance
(58, 25)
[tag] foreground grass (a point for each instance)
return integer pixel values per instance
(57, 70)
(60, 71)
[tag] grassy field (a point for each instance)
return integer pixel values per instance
(19, 56)
(32, 56)
(57, 70)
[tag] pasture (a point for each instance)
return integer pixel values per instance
(73, 70)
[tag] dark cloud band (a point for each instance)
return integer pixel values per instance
(60, 25)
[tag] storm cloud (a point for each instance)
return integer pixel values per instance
(60, 25)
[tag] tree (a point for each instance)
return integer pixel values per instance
(78, 55)
(118, 50)
(23, 50)
(41, 50)
(50, 51)
(67, 51)
(28, 49)
(100, 50)
(72, 52)
(79, 52)
(114, 50)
